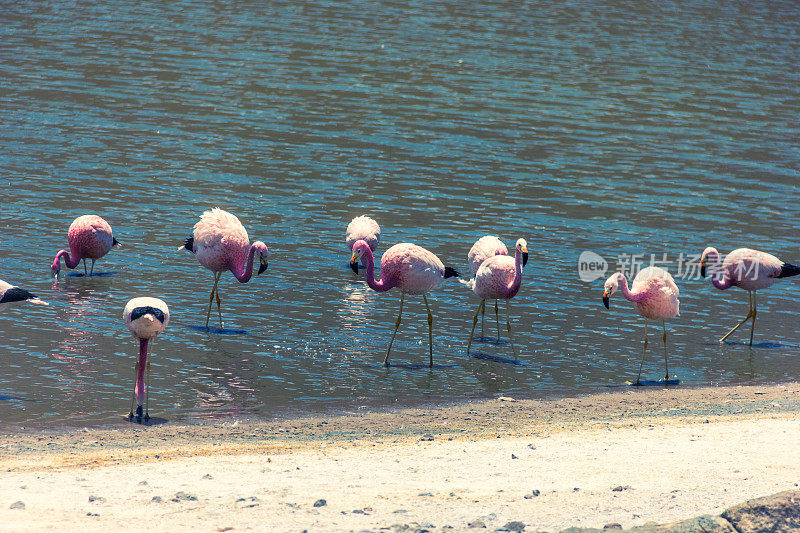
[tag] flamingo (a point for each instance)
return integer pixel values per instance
(145, 317)
(89, 237)
(10, 294)
(220, 243)
(499, 277)
(749, 269)
(484, 248)
(363, 228)
(654, 295)
(410, 268)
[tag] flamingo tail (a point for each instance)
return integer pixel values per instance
(789, 270)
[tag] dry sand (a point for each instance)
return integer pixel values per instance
(627, 457)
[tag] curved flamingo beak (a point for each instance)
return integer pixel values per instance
(703, 268)
(263, 265)
(354, 263)
(606, 299)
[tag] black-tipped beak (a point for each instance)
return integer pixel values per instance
(524, 258)
(354, 265)
(703, 269)
(263, 266)
(115, 242)
(605, 300)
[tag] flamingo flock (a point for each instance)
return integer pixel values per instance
(220, 243)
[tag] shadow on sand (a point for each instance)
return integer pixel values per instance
(647, 383)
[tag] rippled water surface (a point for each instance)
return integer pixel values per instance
(617, 127)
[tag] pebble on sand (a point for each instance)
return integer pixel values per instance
(17, 505)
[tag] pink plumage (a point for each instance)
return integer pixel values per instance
(363, 228)
(749, 269)
(499, 278)
(484, 248)
(220, 243)
(89, 237)
(654, 295)
(145, 318)
(410, 268)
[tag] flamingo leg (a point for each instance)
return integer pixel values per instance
(430, 329)
(644, 351)
(666, 364)
(396, 326)
(219, 309)
(474, 323)
(147, 383)
(84, 268)
(508, 325)
(91, 272)
(482, 308)
(133, 396)
(755, 312)
(497, 319)
(750, 314)
(211, 298)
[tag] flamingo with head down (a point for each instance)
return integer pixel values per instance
(220, 243)
(654, 295)
(749, 269)
(89, 238)
(410, 268)
(145, 318)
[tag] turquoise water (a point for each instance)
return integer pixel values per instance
(619, 128)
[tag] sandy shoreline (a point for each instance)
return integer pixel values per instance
(670, 455)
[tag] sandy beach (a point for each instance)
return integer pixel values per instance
(626, 457)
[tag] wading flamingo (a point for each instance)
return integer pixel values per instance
(220, 243)
(89, 238)
(499, 278)
(10, 294)
(655, 295)
(484, 248)
(363, 228)
(749, 269)
(410, 268)
(145, 317)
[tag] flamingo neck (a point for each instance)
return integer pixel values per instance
(517, 281)
(719, 277)
(139, 391)
(246, 272)
(631, 296)
(379, 286)
(71, 261)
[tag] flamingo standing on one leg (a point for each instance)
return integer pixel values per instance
(412, 269)
(220, 243)
(10, 294)
(89, 237)
(363, 228)
(499, 277)
(655, 295)
(749, 269)
(484, 248)
(145, 317)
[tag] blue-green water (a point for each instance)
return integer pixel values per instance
(616, 127)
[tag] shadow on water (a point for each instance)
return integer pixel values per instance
(754, 345)
(646, 383)
(496, 358)
(408, 366)
(219, 331)
(14, 398)
(491, 340)
(152, 421)
(95, 275)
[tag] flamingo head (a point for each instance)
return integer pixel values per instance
(710, 251)
(611, 286)
(359, 248)
(522, 247)
(55, 268)
(261, 250)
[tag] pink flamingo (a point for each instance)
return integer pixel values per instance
(10, 294)
(220, 243)
(654, 295)
(145, 318)
(484, 248)
(749, 269)
(363, 228)
(412, 269)
(89, 237)
(499, 277)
